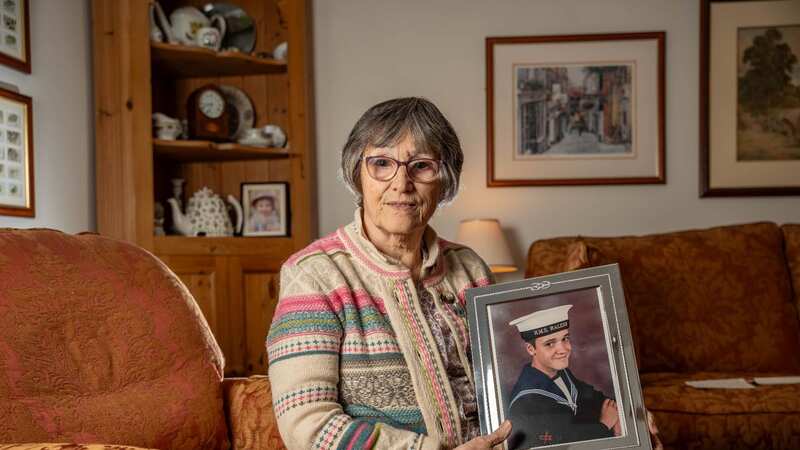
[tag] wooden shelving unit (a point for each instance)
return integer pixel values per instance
(192, 62)
(194, 151)
(233, 279)
(223, 246)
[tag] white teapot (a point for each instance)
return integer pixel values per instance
(206, 214)
(188, 20)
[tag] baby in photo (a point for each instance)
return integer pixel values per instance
(264, 214)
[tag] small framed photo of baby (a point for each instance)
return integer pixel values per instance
(555, 356)
(266, 209)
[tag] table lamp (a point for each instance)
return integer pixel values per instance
(487, 239)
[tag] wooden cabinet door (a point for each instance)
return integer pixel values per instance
(254, 293)
(207, 280)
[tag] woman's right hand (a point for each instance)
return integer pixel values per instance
(490, 440)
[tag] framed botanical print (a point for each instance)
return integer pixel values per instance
(15, 42)
(749, 98)
(16, 155)
(554, 355)
(575, 109)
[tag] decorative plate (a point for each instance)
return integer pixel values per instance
(244, 116)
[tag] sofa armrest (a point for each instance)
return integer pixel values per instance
(248, 409)
(31, 446)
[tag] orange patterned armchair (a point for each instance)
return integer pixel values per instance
(102, 347)
(703, 304)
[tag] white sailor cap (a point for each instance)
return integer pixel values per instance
(542, 323)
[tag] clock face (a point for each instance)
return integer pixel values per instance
(211, 104)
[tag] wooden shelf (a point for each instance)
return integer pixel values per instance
(196, 62)
(191, 151)
(268, 247)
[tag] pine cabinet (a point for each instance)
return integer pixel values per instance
(233, 279)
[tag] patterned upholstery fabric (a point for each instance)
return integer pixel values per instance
(691, 296)
(248, 405)
(791, 237)
(706, 304)
(767, 417)
(101, 343)
(66, 447)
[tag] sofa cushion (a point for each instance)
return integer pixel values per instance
(251, 417)
(791, 237)
(714, 300)
(767, 417)
(100, 342)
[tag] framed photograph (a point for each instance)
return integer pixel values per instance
(749, 98)
(575, 110)
(15, 43)
(555, 355)
(266, 209)
(16, 155)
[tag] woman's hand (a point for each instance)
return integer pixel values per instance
(490, 440)
(651, 425)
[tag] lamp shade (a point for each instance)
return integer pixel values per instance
(487, 239)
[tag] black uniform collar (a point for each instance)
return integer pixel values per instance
(533, 381)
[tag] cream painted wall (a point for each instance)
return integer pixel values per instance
(60, 85)
(367, 51)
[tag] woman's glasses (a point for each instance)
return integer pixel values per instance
(421, 170)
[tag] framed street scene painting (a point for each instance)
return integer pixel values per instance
(749, 98)
(575, 110)
(266, 209)
(16, 154)
(555, 356)
(15, 45)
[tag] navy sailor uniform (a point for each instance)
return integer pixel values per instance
(542, 415)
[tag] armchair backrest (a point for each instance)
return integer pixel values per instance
(101, 343)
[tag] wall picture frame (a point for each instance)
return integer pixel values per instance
(266, 209)
(551, 354)
(16, 155)
(575, 109)
(749, 98)
(15, 35)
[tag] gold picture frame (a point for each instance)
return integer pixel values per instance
(16, 155)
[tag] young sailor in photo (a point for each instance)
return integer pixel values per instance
(549, 404)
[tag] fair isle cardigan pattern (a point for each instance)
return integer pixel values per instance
(352, 361)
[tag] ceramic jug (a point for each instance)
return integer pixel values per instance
(186, 21)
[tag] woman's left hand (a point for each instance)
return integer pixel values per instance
(651, 425)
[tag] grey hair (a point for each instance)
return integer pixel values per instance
(388, 123)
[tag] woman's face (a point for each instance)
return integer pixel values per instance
(399, 205)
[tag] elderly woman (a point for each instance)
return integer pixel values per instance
(369, 345)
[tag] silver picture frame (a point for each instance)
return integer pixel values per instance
(602, 353)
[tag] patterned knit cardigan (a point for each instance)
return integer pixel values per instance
(352, 361)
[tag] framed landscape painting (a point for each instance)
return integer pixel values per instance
(575, 110)
(750, 98)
